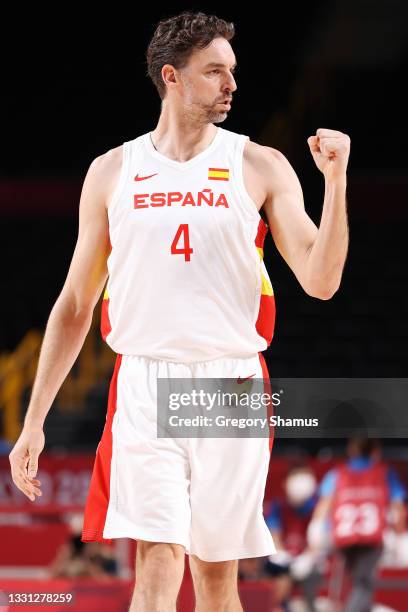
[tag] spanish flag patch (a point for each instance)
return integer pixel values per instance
(218, 174)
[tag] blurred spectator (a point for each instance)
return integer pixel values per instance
(79, 559)
(5, 447)
(353, 504)
(288, 520)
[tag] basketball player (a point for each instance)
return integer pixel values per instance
(171, 220)
(354, 500)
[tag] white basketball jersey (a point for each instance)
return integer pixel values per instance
(187, 281)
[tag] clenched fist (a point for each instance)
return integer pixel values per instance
(330, 150)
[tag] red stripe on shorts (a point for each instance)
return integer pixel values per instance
(98, 496)
(268, 389)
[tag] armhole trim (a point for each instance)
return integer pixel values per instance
(239, 165)
(117, 192)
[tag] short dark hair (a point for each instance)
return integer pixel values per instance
(175, 39)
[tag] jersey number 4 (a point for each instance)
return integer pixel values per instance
(186, 250)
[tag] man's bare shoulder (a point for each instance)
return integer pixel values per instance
(262, 157)
(105, 170)
(265, 170)
(271, 167)
(110, 160)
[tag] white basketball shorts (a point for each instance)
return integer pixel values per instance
(203, 493)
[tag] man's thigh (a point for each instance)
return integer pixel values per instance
(228, 476)
(227, 488)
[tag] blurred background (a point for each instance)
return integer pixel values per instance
(72, 91)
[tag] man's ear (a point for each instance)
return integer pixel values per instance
(168, 73)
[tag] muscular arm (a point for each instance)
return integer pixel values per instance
(71, 315)
(316, 255)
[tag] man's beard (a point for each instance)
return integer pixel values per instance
(216, 117)
(206, 113)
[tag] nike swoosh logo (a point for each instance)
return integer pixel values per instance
(242, 380)
(143, 178)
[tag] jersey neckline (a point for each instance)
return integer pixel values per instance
(182, 165)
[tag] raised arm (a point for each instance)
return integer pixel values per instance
(69, 320)
(316, 255)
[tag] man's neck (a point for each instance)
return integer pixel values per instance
(179, 141)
